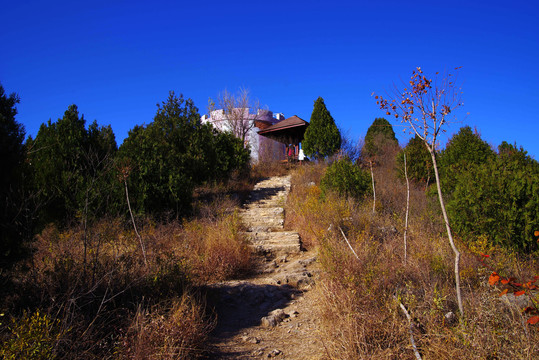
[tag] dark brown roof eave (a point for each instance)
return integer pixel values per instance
(281, 128)
(291, 122)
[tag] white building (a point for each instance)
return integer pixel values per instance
(262, 148)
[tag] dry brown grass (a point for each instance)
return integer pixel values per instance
(266, 169)
(362, 318)
(178, 331)
(217, 250)
(94, 284)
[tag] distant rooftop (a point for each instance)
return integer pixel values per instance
(288, 131)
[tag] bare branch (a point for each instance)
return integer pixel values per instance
(425, 106)
(349, 245)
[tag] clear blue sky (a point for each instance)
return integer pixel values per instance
(117, 59)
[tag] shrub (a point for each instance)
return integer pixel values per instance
(175, 153)
(346, 179)
(418, 162)
(499, 199)
(33, 336)
(464, 149)
(217, 250)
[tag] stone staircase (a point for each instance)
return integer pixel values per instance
(263, 215)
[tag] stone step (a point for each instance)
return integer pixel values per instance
(254, 218)
(262, 211)
(264, 203)
(274, 237)
(263, 216)
(275, 243)
(276, 250)
(263, 227)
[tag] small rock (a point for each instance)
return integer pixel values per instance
(274, 318)
(279, 313)
(269, 321)
(308, 261)
(293, 314)
(274, 353)
(450, 318)
(250, 339)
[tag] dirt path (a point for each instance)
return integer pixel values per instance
(273, 313)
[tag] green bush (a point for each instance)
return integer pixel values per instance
(346, 179)
(72, 168)
(33, 336)
(176, 152)
(499, 199)
(418, 162)
(465, 149)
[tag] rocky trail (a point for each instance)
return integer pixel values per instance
(273, 313)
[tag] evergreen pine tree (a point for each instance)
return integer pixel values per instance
(322, 137)
(380, 136)
(12, 156)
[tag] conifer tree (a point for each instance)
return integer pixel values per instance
(322, 137)
(464, 150)
(71, 166)
(379, 137)
(12, 155)
(419, 162)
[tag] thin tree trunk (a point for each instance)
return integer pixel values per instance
(449, 234)
(349, 245)
(85, 240)
(407, 210)
(135, 225)
(410, 328)
(373, 190)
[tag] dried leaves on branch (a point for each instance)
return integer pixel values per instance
(426, 106)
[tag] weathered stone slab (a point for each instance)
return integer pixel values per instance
(263, 216)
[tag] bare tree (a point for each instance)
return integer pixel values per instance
(426, 106)
(124, 174)
(235, 112)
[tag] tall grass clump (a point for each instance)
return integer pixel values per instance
(217, 250)
(174, 331)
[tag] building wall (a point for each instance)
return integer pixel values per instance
(262, 148)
